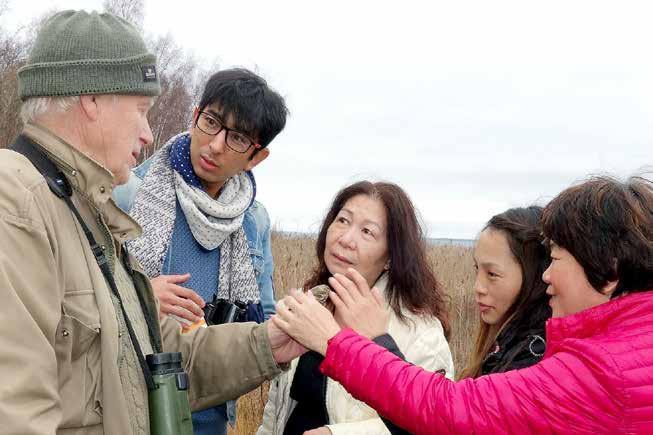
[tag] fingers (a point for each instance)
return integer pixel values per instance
(361, 283)
(339, 304)
(351, 286)
(171, 294)
(187, 293)
(171, 302)
(292, 302)
(341, 290)
(180, 312)
(190, 306)
(300, 296)
(297, 303)
(279, 323)
(279, 305)
(282, 309)
(176, 279)
(169, 297)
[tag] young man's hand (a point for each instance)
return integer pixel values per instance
(174, 299)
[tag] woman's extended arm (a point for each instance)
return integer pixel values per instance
(532, 400)
(564, 391)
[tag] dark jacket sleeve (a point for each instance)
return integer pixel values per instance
(516, 355)
(563, 391)
(387, 342)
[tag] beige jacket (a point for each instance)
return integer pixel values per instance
(60, 334)
(421, 341)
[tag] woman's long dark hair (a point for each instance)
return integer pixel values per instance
(523, 229)
(411, 281)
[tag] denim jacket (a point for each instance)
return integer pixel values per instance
(256, 224)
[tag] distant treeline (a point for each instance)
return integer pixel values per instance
(438, 241)
(468, 243)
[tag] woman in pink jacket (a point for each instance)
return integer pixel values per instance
(597, 372)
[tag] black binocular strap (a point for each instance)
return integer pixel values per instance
(60, 186)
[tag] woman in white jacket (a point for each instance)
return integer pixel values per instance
(373, 228)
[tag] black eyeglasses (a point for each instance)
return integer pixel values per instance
(235, 140)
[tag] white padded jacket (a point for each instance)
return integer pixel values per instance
(422, 342)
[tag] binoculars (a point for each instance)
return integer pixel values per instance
(169, 407)
(220, 311)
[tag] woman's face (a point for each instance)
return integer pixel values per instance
(498, 276)
(357, 238)
(569, 288)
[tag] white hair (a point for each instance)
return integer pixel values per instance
(34, 107)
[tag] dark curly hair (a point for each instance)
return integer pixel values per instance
(607, 225)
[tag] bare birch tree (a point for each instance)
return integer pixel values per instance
(131, 10)
(180, 74)
(13, 51)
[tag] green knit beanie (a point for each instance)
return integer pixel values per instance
(80, 53)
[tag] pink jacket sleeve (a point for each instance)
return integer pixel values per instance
(558, 394)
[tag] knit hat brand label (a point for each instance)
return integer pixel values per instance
(149, 73)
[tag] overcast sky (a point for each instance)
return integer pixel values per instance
(472, 107)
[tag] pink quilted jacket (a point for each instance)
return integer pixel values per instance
(596, 377)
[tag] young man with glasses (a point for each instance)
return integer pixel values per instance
(205, 238)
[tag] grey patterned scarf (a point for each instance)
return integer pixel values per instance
(214, 224)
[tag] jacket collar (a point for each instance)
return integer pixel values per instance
(615, 314)
(382, 283)
(90, 179)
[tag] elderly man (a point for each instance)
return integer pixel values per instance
(75, 332)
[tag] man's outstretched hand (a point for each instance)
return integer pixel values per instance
(302, 317)
(284, 348)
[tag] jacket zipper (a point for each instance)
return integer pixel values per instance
(108, 239)
(324, 394)
(279, 408)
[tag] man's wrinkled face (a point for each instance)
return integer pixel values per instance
(124, 131)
